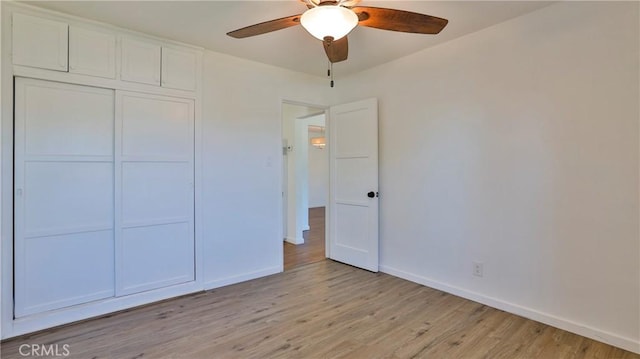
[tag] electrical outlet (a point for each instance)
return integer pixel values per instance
(477, 269)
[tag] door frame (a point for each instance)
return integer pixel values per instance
(281, 206)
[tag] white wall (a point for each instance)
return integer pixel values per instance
(517, 146)
(318, 170)
(242, 156)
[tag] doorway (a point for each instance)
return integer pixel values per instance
(305, 183)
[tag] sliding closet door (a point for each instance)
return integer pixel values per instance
(64, 245)
(155, 193)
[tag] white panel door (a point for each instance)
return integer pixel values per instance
(155, 196)
(353, 207)
(179, 69)
(140, 61)
(64, 239)
(40, 42)
(92, 52)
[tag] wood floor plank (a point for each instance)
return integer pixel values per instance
(313, 248)
(319, 310)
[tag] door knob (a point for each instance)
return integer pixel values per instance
(371, 194)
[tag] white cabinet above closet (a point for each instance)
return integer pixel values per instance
(92, 52)
(54, 45)
(40, 42)
(140, 61)
(179, 69)
(147, 62)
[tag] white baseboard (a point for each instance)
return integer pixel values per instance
(242, 277)
(97, 308)
(552, 320)
(294, 240)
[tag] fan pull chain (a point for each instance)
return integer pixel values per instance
(331, 72)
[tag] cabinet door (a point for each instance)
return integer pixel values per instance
(40, 42)
(154, 194)
(92, 52)
(140, 61)
(179, 69)
(64, 239)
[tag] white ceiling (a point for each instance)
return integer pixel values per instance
(205, 23)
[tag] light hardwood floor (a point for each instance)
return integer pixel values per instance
(313, 248)
(320, 310)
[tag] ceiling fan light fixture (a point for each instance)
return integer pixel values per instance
(329, 20)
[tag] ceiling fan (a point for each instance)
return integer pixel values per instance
(330, 21)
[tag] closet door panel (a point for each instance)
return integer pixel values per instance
(167, 254)
(61, 197)
(69, 120)
(157, 128)
(154, 159)
(63, 203)
(154, 191)
(63, 270)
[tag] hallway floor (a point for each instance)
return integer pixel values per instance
(313, 248)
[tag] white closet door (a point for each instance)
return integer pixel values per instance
(64, 245)
(155, 196)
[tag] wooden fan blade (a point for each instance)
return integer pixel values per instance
(308, 4)
(399, 20)
(349, 3)
(337, 50)
(265, 27)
